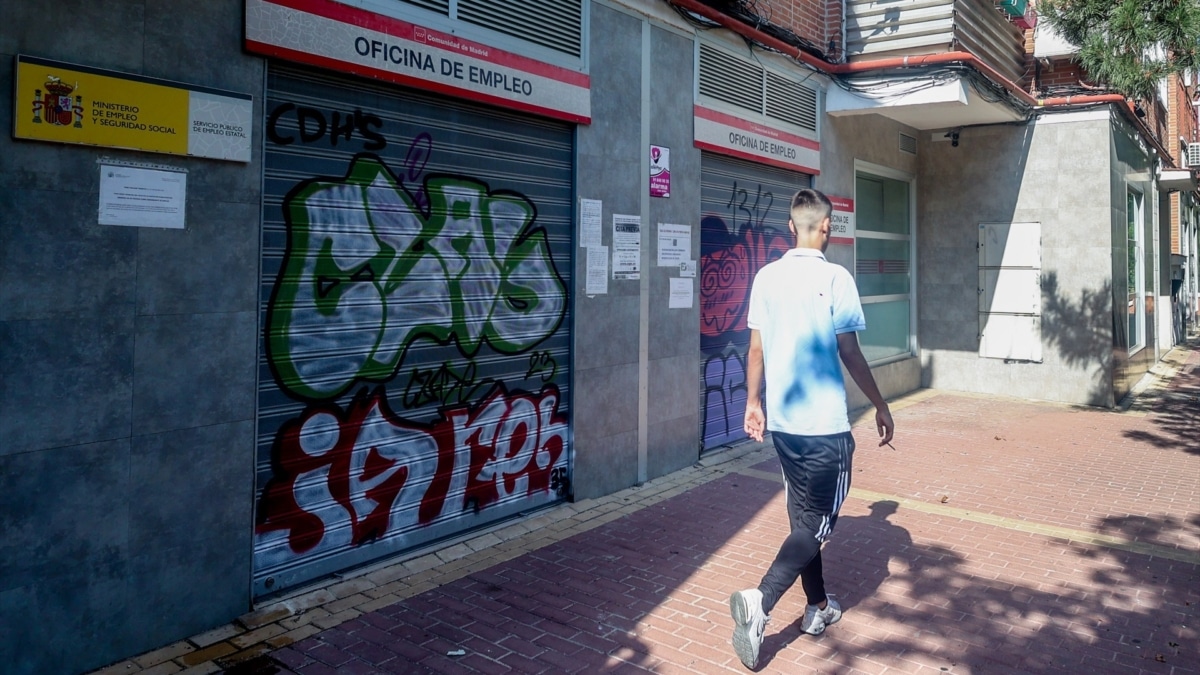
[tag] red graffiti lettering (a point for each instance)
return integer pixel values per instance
(727, 271)
(355, 476)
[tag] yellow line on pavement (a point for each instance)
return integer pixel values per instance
(1075, 536)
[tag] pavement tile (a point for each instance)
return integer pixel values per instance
(127, 667)
(164, 668)
(255, 636)
(210, 653)
(487, 666)
(216, 635)
(317, 668)
(205, 668)
(164, 654)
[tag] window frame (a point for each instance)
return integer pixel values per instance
(1137, 199)
(878, 171)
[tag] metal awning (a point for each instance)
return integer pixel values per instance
(951, 102)
(1182, 180)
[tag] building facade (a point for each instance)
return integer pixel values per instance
(400, 270)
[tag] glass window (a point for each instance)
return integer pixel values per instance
(883, 264)
(888, 330)
(1136, 307)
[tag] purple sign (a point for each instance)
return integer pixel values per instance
(660, 171)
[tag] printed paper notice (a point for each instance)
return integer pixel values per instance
(681, 294)
(687, 268)
(590, 222)
(627, 247)
(674, 244)
(597, 270)
(142, 197)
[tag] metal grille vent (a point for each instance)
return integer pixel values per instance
(557, 24)
(908, 144)
(791, 102)
(727, 78)
(439, 6)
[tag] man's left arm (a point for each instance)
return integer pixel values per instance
(856, 364)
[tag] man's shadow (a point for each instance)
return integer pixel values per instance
(856, 565)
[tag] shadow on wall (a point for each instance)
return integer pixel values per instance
(1081, 332)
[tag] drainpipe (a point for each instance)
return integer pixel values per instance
(965, 58)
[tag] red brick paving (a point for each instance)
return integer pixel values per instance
(924, 592)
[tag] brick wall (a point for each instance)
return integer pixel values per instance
(806, 18)
(1182, 128)
(1060, 72)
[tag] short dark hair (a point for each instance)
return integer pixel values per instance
(809, 208)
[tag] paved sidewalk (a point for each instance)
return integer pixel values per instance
(1000, 536)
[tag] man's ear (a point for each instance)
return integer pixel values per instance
(791, 227)
(826, 225)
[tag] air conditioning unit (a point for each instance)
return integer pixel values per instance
(1193, 156)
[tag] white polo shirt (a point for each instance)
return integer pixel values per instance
(800, 304)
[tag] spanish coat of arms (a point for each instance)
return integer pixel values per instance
(57, 106)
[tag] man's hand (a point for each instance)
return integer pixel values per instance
(883, 424)
(756, 422)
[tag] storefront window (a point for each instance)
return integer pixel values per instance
(883, 264)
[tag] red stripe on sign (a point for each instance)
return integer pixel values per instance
(759, 159)
(746, 125)
(841, 240)
(415, 82)
(336, 11)
(842, 204)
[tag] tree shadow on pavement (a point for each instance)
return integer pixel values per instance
(934, 607)
(1176, 413)
(647, 591)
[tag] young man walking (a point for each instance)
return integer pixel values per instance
(804, 314)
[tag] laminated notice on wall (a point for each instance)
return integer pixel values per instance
(590, 222)
(627, 246)
(142, 196)
(674, 244)
(681, 294)
(597, 270)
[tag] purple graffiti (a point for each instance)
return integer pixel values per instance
(724, 397)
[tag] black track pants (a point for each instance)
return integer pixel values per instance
(816, 472)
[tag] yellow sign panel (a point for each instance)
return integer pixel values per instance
(68, 103)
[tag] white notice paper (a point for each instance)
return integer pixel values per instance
(597, 270)
(627, 247)
(681, 294)
(141, 197)
(687, 268)
(589, 222)
(674, 244)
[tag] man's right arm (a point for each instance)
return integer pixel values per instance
(756, 421)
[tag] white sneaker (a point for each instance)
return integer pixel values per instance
(749, 624)
(816, 619)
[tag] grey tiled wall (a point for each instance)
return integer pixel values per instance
(127, 361)
(608, 355)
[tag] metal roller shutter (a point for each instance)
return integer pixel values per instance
(744, 210)
(414, 301)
